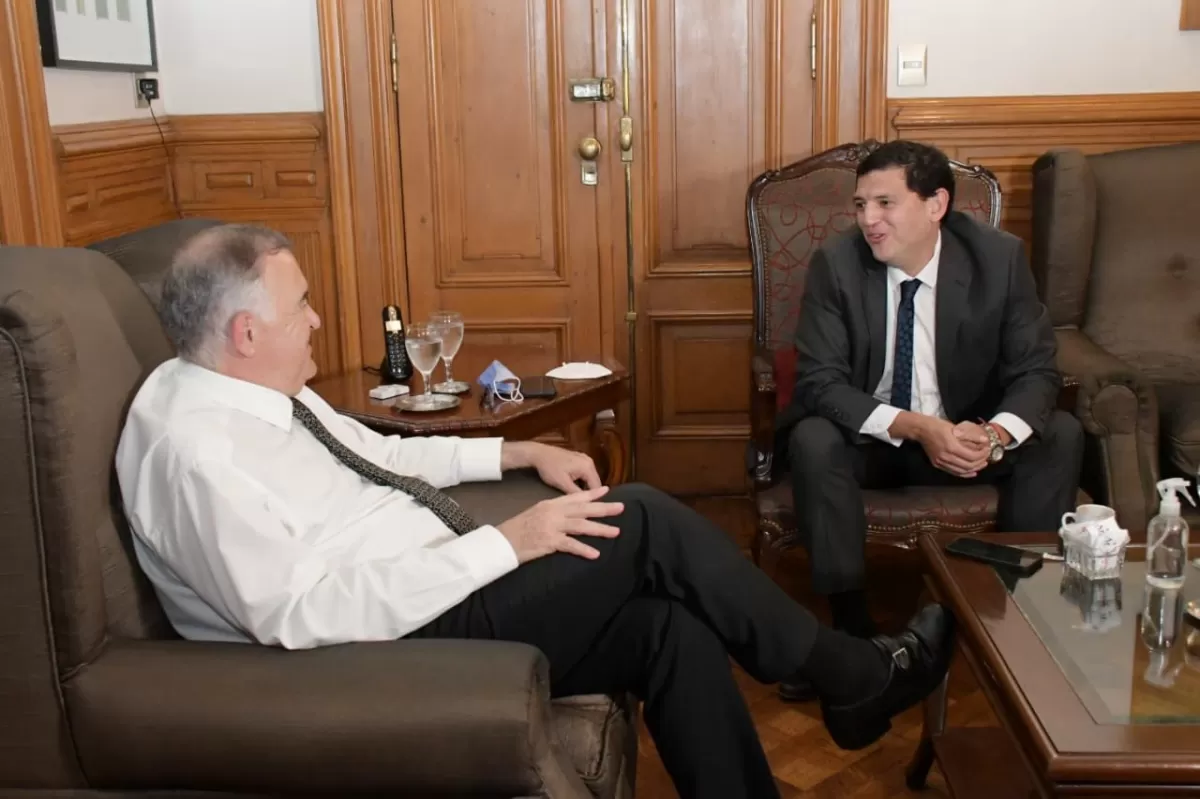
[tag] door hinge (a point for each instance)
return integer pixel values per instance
(812, 47)
(395, 74)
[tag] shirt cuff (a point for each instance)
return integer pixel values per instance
(1015, 426)
(479, 459)
(485, 552)
(879, 421)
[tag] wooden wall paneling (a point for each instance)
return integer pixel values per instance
(115, 178)
(1007, 134)
(851, 83)
(270, 169)
(30, 202)
(364, 155)
(1189, 15)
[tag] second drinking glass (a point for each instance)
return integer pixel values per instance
(450, 325)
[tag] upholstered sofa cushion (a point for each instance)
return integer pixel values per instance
(146, 254)
(595, 732)
(1179, 409)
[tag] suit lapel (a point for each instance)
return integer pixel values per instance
(876, 310)
(953, 282)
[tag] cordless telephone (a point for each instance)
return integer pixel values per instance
(396, 366)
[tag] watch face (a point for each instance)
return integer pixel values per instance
(997, 453)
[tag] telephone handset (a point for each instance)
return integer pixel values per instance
(395, 367)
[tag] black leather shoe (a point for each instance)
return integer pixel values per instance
(917, 662)
(797, 690)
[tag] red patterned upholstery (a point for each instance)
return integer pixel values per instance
(791, 212)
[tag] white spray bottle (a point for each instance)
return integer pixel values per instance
(1167, 537)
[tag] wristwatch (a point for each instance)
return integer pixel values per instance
(996, 451)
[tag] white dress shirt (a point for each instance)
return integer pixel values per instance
(251, 530)
(926, 396)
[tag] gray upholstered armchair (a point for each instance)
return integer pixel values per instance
(1116, 252)
(99, 697)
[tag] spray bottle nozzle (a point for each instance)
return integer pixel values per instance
(1170, 488)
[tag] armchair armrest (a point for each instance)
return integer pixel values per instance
(762, 416)
(399, 717)
(1117, 406)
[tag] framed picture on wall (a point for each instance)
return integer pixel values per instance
(97, 34)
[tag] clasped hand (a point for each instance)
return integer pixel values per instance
(959, 449)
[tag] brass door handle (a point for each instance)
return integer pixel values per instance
(589, 148)
(589, 151)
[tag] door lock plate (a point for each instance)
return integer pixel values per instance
(593, 90)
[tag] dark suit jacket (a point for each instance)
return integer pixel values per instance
(995, 346)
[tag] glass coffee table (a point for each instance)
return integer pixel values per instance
(1096, 683)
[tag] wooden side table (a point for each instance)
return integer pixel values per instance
(575, 405)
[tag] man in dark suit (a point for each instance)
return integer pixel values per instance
(924, 358)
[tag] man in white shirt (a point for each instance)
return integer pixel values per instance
(924, 357)
(263, 516)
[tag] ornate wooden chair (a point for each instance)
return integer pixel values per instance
(791, 212)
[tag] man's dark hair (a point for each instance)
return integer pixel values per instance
(926, 168)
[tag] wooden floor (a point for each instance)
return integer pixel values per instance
(806, 763)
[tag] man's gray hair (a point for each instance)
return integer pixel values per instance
(214, 276)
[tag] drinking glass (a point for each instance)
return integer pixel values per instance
(424, 345)
(450, 323)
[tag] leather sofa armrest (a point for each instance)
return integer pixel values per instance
(762, 417)
(1117, 406)
(401, 718)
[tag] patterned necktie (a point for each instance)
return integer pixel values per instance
(902, 373)
(441, 504)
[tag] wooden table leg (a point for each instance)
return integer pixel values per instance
(933, 725)
(934, 722)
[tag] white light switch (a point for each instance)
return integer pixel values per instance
(910, 65)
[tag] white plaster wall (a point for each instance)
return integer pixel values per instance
(1044, 47)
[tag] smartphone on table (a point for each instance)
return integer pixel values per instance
(1021, 561)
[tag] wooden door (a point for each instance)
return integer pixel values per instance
(499, 225)
(725, 92)
(498, 222)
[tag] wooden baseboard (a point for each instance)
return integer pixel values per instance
(1007, 134)
(118, 177)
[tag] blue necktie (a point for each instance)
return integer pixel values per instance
(903, 366)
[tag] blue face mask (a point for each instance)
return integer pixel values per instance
(499, 381)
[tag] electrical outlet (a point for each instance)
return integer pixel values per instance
(145, 90)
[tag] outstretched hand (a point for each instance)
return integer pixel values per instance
(558, 468)
(553, 524)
